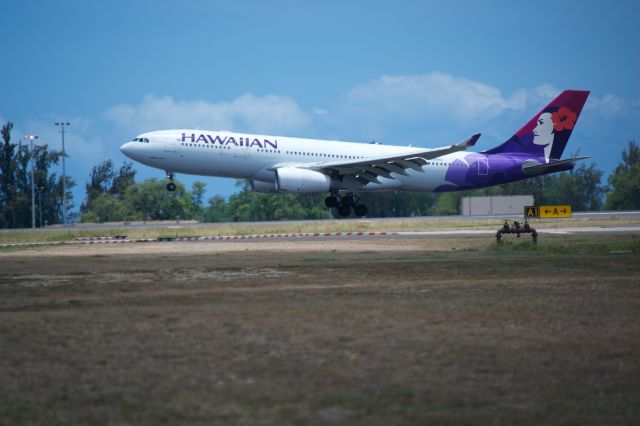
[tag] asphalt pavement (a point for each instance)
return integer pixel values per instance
(382, 221)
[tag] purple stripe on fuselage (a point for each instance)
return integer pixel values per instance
(478, 171)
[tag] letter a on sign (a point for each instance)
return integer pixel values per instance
(555, 211)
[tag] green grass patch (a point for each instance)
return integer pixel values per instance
(573, 246)
(34, 247)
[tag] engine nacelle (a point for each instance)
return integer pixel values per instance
(262, 186)
(292, 179)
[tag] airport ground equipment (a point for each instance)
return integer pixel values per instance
(517, 229)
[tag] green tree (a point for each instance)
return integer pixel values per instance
(625, 180)
(533, 186)
(247, 205)
(397, 203)
(580, 187)
(8, 185)
(106, 208)
(448, 203)
(49, 186)
(217, 210)
(125, 177)
(105, 191)
(16, 165)
(198, 190)
(100, 181)
(150, 200)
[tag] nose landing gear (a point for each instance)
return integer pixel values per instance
(171, 186)
(345, 204)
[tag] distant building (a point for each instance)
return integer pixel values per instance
(494, 205)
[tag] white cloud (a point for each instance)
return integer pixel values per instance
(544, 92)
(82, 144)
(612, 106)
(608, 106)
(434, 94)
(84, 147)
(266, 114)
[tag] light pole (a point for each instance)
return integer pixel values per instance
(31, 138)
(40, 189)
(64, 173)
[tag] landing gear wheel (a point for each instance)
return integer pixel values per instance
(360, 210)
(347, 201)
(331, 202)
(170, 186)
(344, 211)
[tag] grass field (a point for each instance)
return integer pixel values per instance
(239, 228)
(385, 331)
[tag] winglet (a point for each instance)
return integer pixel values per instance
(470, 141)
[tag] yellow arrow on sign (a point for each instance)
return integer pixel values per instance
(555, 211)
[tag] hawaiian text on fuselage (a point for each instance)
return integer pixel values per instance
(229, 140)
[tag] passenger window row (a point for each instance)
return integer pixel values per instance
(351, 157)
(313, 154)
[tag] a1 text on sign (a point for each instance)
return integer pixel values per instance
(531, 211)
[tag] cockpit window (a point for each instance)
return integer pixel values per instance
(144, 140)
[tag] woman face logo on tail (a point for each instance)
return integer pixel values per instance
(543, 133)
(550, 123)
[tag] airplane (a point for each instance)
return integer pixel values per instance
(276, 164)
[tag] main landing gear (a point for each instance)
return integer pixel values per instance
(170, 186)
(345, 204)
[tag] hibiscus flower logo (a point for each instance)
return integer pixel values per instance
(563, 119)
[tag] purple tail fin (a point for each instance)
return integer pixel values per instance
(548, 132)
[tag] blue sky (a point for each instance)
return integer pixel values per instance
(426, 73)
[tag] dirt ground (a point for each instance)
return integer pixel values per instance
(380, 331)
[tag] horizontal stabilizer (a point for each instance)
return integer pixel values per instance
(532, 166)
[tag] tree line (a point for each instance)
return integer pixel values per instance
(20, 167)
(112, 193)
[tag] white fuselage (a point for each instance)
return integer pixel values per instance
(256, 157)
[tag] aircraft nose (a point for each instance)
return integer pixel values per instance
(127, 149)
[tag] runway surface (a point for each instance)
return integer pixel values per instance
(336, 236)
(381, 221)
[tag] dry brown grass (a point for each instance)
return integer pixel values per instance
(443, 331)
(399, 224)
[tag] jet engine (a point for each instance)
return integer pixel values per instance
(293, 179)
(262, 186)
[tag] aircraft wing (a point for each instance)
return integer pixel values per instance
(532, 166)
(369, 169)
